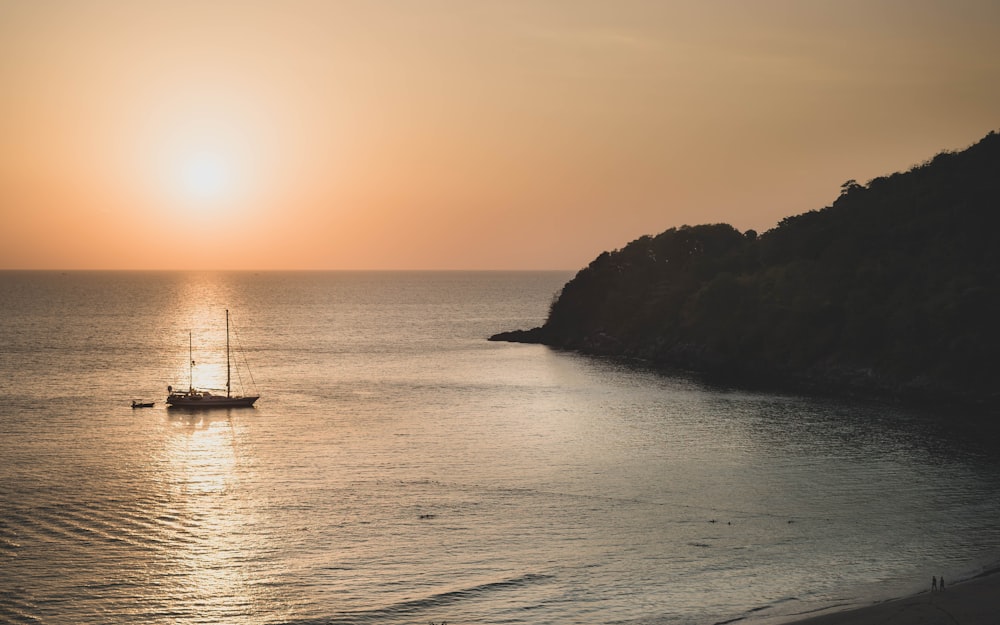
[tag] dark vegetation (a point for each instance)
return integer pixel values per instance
(890, 291)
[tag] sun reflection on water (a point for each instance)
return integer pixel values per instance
(205, 458)
(209, 571)
(208, 522)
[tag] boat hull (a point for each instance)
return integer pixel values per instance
(209, 401)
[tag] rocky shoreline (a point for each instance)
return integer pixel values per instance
(819, 380)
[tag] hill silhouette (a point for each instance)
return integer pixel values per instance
(891, 290)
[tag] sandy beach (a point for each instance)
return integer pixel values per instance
(973, 602)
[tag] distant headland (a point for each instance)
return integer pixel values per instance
(891, 291)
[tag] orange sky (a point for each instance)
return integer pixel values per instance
(498, 134)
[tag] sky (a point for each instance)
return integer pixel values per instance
(440, 134)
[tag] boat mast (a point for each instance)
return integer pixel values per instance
(190, 366)
(227, 352)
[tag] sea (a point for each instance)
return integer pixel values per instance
(399, 468)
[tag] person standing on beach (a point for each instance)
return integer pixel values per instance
(941, 584)
(934, 583)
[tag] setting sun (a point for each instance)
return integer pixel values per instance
(208, 183)
(205, 176)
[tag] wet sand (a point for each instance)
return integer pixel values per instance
(973, 602)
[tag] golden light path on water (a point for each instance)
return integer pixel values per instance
(210, 563)
(206, 571)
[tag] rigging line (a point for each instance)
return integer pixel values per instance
(246, 362)
(239, 350)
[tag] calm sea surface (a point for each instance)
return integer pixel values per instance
(399, 468)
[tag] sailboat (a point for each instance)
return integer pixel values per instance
(197, 398)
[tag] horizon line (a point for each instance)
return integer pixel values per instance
(272, 270)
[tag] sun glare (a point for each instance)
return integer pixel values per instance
(201, 164)
(204, 182)
(206, 176)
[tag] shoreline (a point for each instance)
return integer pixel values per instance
(973, 601)
(831, 383)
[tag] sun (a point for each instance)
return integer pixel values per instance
(205, 176)
(204, 181)
(204, 160)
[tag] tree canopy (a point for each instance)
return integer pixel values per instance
(892, 288)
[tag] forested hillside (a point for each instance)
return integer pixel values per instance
(893, 289)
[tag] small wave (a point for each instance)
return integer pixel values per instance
(16, 610)
(414, 606)
(753, 611)
(823, 608)
(89, 525)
